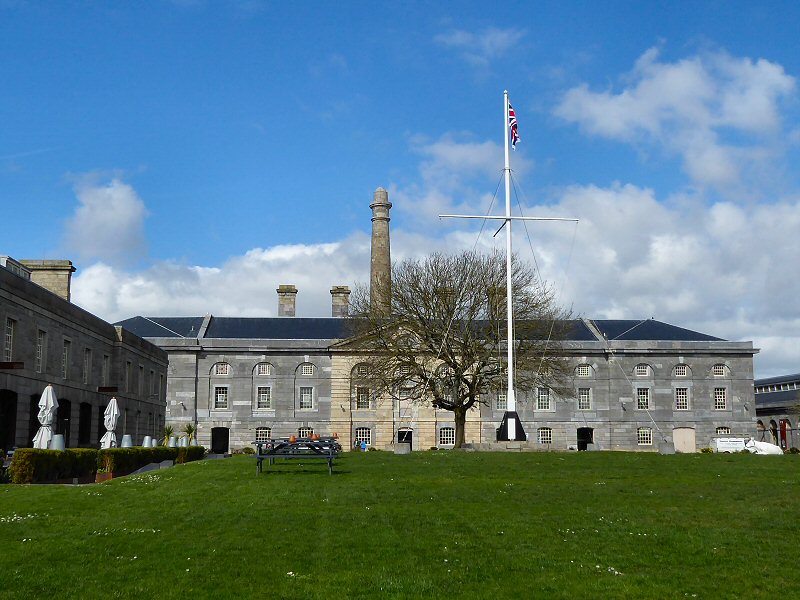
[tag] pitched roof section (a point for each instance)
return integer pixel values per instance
(298, 328)
(163, 327)
(649, 329)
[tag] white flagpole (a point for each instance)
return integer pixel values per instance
(511, 400)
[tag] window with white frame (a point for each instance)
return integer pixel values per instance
(543, 399)
(720, 398)
(221, 368)
(65, 359)
(87, 365)
(263, 396)
(41, 350)
(306, 369)
(718, 370)
(362, 371)
(264, 369)
(11, 326)
(681, 398)
(221, 397)
(642, 398)
(680, 370)
(306, 398)
(583, 371)
(544, 435)
(405, 370)
(305, 432)
(723, 430)
(447, 436)
(363, 434)
(362, 397)
(584, 399)
(501, 401)
(644, 436)
(642, 370)
(263, 434)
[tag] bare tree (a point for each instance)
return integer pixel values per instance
(443, 340)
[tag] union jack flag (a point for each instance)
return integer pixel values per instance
(512, 124)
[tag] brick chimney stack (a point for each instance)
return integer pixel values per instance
(53, 275)
(381, 261)
(340, 301)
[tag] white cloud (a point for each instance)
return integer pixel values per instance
(479, 49)
(719, 113)
(108, 223)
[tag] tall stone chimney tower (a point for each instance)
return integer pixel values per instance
(381, 261)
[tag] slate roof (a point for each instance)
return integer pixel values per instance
(299, 328)
(649, 329)
(778, 379)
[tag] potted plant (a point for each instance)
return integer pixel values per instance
(190, 431)
(168, 431)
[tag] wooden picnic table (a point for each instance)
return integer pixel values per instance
(302, 448)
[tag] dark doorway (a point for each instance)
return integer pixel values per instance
(63, 419)
(33, 420)
(8, 419)
(585, 437)
(85, 424)
(219, 440)
(404, 436)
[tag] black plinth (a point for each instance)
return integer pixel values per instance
(503, 433)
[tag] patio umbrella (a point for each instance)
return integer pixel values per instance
(109, 440)
(47, 414)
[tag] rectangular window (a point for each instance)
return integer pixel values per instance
(363, 434)
(362, 370)
(106, 368)
(65, 360)
(41, 350)
(221, 397)
(362, 397)
(543, 399)
(681, 398)
(11, 325)
(263, 434)
(87, 365)
(680, 371)
(306, 397)
(160, 383)
(544, 435)
(584, 399)
(642, 370)
(305, 432)
(307, 369)
(501, 402)
(718, 370)
(723, 430)
(128, 370)
(152, 387)
(140, 381)
(264, 397)
(720, 399)
(447, 436)
(642, 398)
(644, 436)
(264, 369)
(583, 371)
(221, 369)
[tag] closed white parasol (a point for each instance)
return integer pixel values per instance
(109, 440)
(48, 404)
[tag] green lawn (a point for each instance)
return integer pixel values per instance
(428, 525)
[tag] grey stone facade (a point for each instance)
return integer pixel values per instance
(778, 409)
(48, 340)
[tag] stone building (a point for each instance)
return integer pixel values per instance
(777, 409)
(49, 340)
(637, 385)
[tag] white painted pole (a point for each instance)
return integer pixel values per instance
(512, 405)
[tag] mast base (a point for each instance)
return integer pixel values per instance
(510, 429)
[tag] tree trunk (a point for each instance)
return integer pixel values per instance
(460, 417)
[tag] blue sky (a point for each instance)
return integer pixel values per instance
(190, 156)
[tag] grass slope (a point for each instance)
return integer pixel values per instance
(429, 525)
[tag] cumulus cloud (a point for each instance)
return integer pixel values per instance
(720, 114)
(108, 223)
(480, 48)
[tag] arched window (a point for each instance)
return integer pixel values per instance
(544, 435)
(307, 369)
(644, 436)
(719, 370)
(681, 371)
(447, 436)
(583, 371)
(222, 368)
(642, 370)
(264, 369)
(359, 387)
(363, 434)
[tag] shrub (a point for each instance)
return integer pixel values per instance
(122, 461)
(248, 450)
(189, 454)
(794, 450)
(707, 450)
(33, 465)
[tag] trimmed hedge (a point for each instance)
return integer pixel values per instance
(32, 465)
